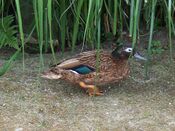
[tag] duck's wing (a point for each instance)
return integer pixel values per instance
(69, 63)
(87, 58)
(60, 70)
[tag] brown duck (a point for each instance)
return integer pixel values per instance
(91, 69)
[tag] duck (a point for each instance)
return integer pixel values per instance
(92, 69)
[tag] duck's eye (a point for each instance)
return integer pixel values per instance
(128, 49)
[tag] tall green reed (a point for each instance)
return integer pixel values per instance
(49, 9)
(63, 23)
(169, 10)
(76, 23)
(38, 12)
(20, 28)
(151, 36)
(89, 16)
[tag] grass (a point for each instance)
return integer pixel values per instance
(78, 21)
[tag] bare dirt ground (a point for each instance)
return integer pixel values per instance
(28, 103)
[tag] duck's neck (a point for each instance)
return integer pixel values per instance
(115, 54)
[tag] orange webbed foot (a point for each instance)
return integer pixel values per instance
(91, 89)
(94, 91)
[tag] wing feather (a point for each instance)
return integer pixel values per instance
(69, 63)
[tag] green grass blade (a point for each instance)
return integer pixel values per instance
(20, 28)
(170, 29)
(115, 17)
(38, 12)
(87, 22)
(76, 23)
(150, 37)
(132, 6)
(46, 42)
(49, 6)
(6, 66)
(63, 22)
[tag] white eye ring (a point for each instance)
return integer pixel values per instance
(128, 50)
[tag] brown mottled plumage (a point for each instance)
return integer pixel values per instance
(110, 70)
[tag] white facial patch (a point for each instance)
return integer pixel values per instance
(128, 50)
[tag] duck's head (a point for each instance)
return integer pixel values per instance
(124, 52)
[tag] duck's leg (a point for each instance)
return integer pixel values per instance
(92, 89)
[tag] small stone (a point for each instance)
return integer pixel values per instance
(19, 129)
(107, 113)
(40, 111)
(45, 90)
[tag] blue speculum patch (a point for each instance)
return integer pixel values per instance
(83, 69)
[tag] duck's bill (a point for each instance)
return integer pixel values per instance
(139, 57)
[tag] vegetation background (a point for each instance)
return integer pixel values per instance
(54, 25)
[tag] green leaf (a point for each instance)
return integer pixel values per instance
(7, 32)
